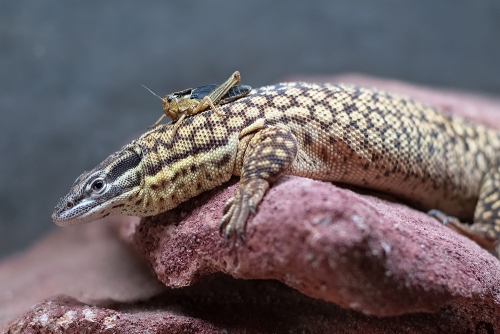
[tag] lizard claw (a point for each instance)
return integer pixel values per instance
(238, 208)
(443, 217)
(241, 235)
(439, 215)
(251, 207)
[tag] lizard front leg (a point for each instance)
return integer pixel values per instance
(267, 157)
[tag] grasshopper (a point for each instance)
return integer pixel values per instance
(194, 100)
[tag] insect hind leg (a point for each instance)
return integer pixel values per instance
(215, 96)
(204, 103)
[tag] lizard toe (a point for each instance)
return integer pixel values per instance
(228, 205)
(225, 220)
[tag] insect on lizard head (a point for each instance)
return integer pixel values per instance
(103, 190)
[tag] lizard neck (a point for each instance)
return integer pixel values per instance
(172, 174)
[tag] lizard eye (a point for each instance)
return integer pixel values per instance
(98, 185)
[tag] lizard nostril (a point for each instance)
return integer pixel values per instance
(69, 204)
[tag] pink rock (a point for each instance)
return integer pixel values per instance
(389, 267)
(358, 251)
(89, 262)
(224, 305)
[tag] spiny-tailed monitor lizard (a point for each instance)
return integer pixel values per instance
(329, 132)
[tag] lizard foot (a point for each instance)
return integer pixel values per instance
(477, 232)
(236, 211)
(452, 222)
(443, 218)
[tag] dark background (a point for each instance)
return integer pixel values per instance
(70, 72)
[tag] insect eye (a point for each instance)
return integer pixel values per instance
(97, 185)
(170, 98)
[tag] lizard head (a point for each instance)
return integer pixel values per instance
(103, 190)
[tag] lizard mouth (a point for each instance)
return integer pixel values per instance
(68, 213)
(100, 192)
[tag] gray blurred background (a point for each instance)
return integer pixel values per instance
(70, 72)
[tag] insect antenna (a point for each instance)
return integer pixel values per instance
(152, 92)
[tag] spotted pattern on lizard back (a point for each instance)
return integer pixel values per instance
(341, 133)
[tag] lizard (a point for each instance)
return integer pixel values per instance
(331, 132)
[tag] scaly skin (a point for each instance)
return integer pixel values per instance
(328, 132)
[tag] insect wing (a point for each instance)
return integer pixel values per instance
(199, 93)
(235, 93)
(186, 93)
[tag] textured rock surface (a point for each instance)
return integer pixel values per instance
(89, 262)
(358, 251)
(370, 255)
(225, 305)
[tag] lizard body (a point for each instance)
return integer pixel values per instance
(341, 133)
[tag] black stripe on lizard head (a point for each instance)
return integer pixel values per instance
(94, 193)
(128, 160)
(115, 175)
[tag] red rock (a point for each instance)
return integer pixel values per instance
(225, 305)
(389, 267)
(89, 262)
(357, 251)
